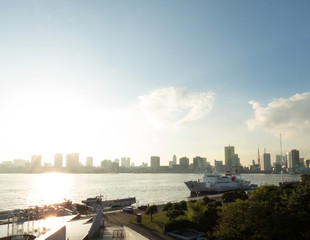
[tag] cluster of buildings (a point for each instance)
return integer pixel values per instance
(290, 162)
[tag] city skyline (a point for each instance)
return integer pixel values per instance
(230, 158)
(139, 79)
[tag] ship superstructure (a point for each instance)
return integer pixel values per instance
(216, 183)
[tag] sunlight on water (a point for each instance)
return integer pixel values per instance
(50, 188)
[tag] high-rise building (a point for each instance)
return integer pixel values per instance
(155, 163)
(36, 163)
(199, 163)
(229, 156)
(107, 165)
(58, 160)
(278, 159)
(293, 159)
(72, 161)
(218, 166)
(116, 160)
(89, 161)
(266, 162)
(184, 163)
(307, 163)
(235, 162)
(20, 162)
(174, 159)
(125, 162)
(301, 163)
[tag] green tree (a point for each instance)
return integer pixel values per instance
(207, 200)
(167, 206)
(151, 210)
(183, 205)
(270, 213)
(234, 195)
(204, 215)
(269, 193)
(172, 214)
(305, 178)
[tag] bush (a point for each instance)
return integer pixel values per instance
(232, 196)
(179, 224)
(172, 214)
(167, 206)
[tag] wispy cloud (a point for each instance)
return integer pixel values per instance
(290, 116)
(175, 106)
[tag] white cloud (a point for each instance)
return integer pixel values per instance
(290, 116)
(175, 107)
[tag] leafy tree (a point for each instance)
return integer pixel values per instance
(183, 205)
(234, 195)
(177, 206)
(270, 213)
(172, 214)
(167, 206)
(207, 200)
(195, 211)
(269, 193)
(204, 215)
(244, 219)
(151, 210)
(305, 178)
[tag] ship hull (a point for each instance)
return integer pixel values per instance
(200, 188)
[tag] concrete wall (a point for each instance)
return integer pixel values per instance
(133, 235)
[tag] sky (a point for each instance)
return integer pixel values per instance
(113, 79)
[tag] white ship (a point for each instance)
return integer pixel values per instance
(215, 183)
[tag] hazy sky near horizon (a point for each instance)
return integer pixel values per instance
(111, 79)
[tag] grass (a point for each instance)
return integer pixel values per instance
(159, 220)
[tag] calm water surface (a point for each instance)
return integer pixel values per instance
(24, 190)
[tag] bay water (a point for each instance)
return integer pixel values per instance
(18, 191)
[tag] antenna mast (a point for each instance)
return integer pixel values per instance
(258, 158)
(281, 148)
(281, 158)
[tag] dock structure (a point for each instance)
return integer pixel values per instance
(119, 202)
(112, 203)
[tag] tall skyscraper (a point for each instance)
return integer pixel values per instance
(58, 160)
(155, 163)
(125, 162)
(278, 159)
(199, 163)
(36, 163)
(229, 156)
(173, 162)
(174, 159)
(89, 161)
(72, 161)
(266, 162)
(293, 159)
(184, 163)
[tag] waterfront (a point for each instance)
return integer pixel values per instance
(24, 190)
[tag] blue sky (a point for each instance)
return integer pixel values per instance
(141, 78)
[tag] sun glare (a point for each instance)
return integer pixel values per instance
(50, 188)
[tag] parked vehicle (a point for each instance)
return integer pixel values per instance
(128, 209)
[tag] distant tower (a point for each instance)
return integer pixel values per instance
(58, 160)
(229, 156)
(174, 159)
(184, 163)
(155, 163)
(72, 161)
(293, 159)
(266, 162)
(258, 157)
(89, 161)
(36, 163)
